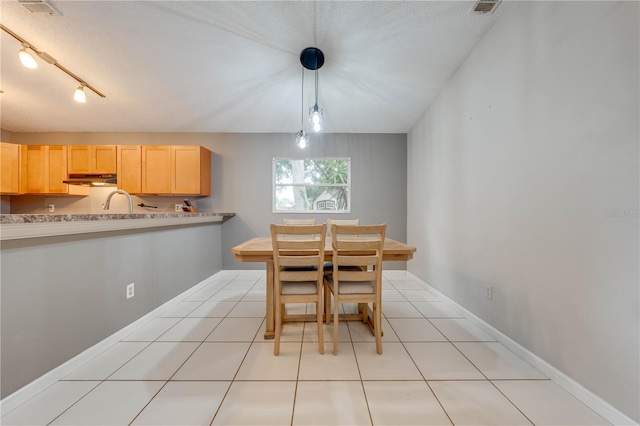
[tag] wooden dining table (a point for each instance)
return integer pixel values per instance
(260, 250)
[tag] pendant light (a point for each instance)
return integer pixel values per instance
(301, 136)
(312, 58)
(316, 114)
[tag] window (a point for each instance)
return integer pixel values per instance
(311, 185)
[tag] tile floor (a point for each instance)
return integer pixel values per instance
(205, 361)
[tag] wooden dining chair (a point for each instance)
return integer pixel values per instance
(288, 221)
(298, 274)
(357, 275)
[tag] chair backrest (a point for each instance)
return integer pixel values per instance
(340, 222)
(287, 221)
(360, 246)
(300, 248)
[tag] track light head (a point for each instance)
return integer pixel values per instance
(79, 94)
(26, 58)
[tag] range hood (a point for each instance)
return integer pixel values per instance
(91, 180)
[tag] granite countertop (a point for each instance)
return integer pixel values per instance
(53, 217)
(20, 226)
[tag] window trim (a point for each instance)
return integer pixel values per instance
(274, 186)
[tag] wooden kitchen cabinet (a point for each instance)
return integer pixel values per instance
(91, 159)
(9, 168)
(176, 170)
(43, 168)
(130, 168)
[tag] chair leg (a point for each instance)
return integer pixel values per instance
(377, 323)
(278, 327)
(327, 304)
(336, 312)
(320, 324)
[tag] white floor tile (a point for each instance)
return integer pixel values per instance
(236, 330)
(400, 310)
(48, 404)
(316, 366)
(416, 330)
(158, 361)
(248, 310)
(361, 332)
(181, 309)
(392, 295)
(476, 403)
(261, 364)
(202, 295)
(190, 330)
(213, 308)
(257, 403)
(545, 403)
(213, 361)
(442, 361)
(152, 330)
(229, 295)
(311, 332)
(497, 362)
(403, 403)
(419, 295)
(255, 296)
(103, 365)
(330, 403)
(184, 403)
(405, 284)
(461, 330)
(111, 403)
(436, 310)
(393, 364)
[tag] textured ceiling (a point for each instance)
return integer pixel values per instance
(182, 66)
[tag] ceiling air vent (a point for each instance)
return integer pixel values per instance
(485, 6)
(39, 6)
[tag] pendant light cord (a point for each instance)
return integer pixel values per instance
(316, 86)
(302, 102)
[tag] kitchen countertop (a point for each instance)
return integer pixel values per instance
(19, 226)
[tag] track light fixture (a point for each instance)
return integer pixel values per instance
(28, 61)
(79, 95)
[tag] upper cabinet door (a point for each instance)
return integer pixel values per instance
(9, 168)
(91, 159)
(44, 167)
(187, 166)
(156, 169)
(130, 168)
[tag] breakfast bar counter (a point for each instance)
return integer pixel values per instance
(20, 226)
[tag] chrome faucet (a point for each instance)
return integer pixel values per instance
(105, 206)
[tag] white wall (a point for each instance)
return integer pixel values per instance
(524, 175)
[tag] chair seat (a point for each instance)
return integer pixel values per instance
(299, 287)
(354, 287)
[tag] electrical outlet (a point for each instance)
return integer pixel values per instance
(130, 290)
(52, 208)
(178, 207)
(488, 292)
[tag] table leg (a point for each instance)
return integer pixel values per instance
(270, 320)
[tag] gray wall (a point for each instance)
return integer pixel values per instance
(62, 295)
(241, 178)
(524, 175)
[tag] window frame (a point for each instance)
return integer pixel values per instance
(274, 186)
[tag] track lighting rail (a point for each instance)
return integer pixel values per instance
(51, 60)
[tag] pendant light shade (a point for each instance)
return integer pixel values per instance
(302, 139)
(79, 94)
(26, 59)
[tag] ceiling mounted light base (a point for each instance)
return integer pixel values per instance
(312, 58)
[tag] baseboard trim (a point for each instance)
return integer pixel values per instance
(593, 401)
(19, 397)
